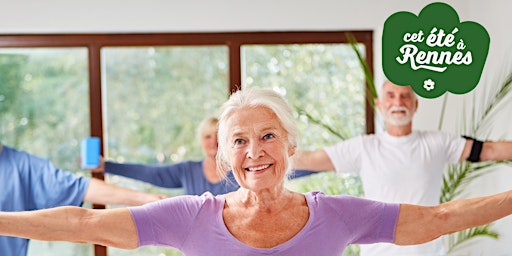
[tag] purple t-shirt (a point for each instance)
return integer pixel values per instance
(194, 225)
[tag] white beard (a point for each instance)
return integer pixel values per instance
(402, 121)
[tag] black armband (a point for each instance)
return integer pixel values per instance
(476, 149)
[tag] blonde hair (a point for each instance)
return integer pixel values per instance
(208, 125)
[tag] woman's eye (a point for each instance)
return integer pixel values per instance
(268, 136)
(238, 142)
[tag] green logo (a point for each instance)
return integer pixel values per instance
(434, 52)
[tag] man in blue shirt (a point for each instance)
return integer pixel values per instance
(29, 183)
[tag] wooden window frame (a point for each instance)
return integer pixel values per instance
(233, 40)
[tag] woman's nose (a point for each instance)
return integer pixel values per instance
(254, 150)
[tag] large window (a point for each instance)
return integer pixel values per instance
(144, 95)
(167, 91)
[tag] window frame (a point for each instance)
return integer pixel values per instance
(233, 40)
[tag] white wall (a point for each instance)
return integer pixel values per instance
(32, 16)
(118, 16)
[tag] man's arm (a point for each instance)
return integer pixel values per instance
(491, 150)
(100, 192)
(317, 160)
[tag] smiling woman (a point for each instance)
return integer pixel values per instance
(262, 217)
(258, 148)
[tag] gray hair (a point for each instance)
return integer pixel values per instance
(253, 97)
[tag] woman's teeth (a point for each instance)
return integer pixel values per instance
(259, 168)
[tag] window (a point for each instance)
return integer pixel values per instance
(44, 111)
(144, 94)
(324, 81)
(167, 91)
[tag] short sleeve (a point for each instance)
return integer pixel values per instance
(346, 155)
(166, 222)
(52, 187)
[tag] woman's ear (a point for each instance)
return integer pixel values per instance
(291, 151)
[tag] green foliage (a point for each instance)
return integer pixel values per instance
(458, 239)
(494, 104)
(166, 92)
(323, 79)
(458, 176)
(316, 121)
(371, 93)
(329, 183)
(10, 79)
(45, 114)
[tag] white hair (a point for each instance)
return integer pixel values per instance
(254, 98)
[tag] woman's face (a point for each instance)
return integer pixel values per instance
(209, 143)
(258, 148)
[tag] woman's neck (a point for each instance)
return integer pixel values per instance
(265, 199)
(210, 170)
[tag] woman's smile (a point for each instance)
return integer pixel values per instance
(258, 169)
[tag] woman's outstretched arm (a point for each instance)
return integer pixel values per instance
(111, 227)
(420, 224)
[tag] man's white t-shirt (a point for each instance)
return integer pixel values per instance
(404, 169)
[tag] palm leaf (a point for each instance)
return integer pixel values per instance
(494, 103)
(371, 93)
(458, 176)
(456, 240)
(301, 111)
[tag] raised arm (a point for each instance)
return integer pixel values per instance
(166, 176)
(317, 160)
(112, 227)
(419, 224)
(490, 150)
(100, 192)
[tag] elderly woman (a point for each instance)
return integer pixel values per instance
(194, 176)
(257, 137)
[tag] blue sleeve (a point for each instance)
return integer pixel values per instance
(52, 187)
(301, 173)
(166, 176)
